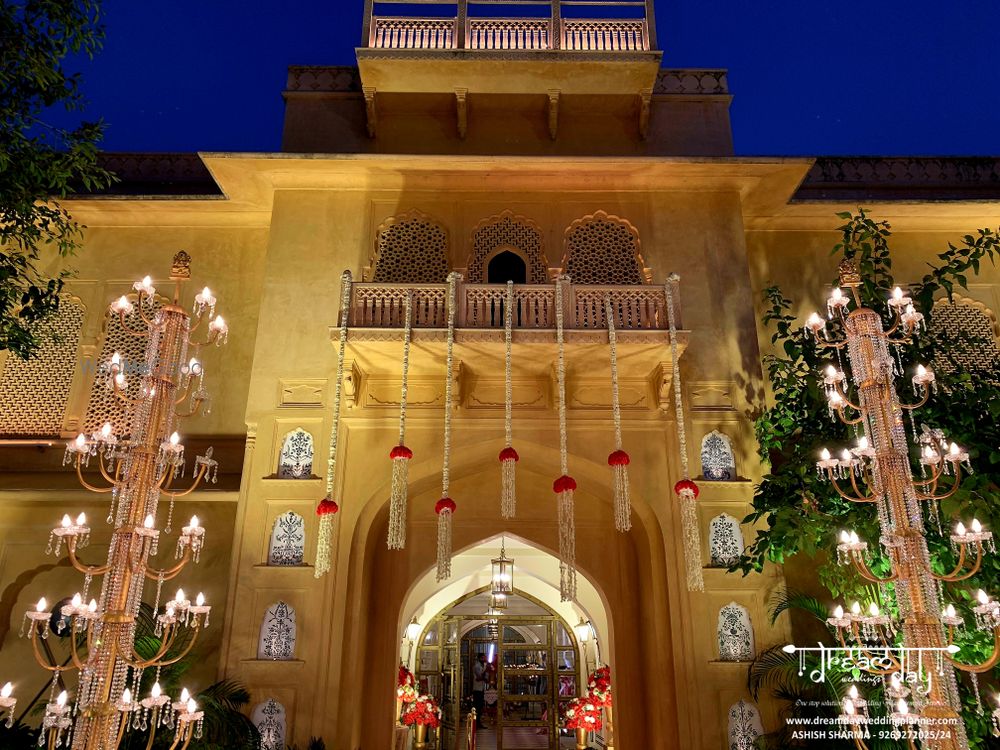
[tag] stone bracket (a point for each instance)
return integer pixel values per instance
(371, 114)
(645, 97)
(553, 113)
(462, 111)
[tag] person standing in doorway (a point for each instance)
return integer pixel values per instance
(479, 688)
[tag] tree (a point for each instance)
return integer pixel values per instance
(39, 163)
(802, 512)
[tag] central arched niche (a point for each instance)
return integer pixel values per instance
(628, 570)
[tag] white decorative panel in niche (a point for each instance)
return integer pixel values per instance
(288, 540)
(744, 726)
(296, 459)
(725, 541)
(277, 633)
(735, 633)
(269, 718)
(717, 461)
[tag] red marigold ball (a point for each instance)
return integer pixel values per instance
(445, 503)
(565, 483)
(326, 507)
(400, 451)
(509, 454)
(619, 458)
(686, 484)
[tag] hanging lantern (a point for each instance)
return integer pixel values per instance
(508, 456)
(445, 509)
(400, 454)
(503, 574)
(327, 507)
(619, 459)
(498, 601)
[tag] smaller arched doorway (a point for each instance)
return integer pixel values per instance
(532, 669)
(506, 265)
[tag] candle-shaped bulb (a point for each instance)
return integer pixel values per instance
(66, 522)
(855, 609)
(6, 690)
(185, 695)
(175, 439)
(960, 529)
(852, 691)
(116, 358)
(837, 294)
(824, 455)
(848, 707)
(921, 371)
(81, 520)
(902, 708)
(949, 611)
(106, 430)
(854, 538)
(863, 442)
(93, 605)
(954, 449)
(148, 522)
(928, 452)
(845, 455)
(873, 609)
(200, 599)
(81, 441)
(77, 600)
(845, 538)
(895, 681)
(838, 612)
(147, 281)
(897, 293)
(976, 526)
(831, 371)
(61, 699)
(156, 691)
(191, 706)
(126, 696)
(983, 597)
(194, 522)
(206, 293)
(42, 605)
(180, 596)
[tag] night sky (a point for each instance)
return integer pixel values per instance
(920, 77)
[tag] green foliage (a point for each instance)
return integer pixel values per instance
(802, 512)
(40, 164)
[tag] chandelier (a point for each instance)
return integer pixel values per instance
(501, 579)
(912, 654)
(140, 467)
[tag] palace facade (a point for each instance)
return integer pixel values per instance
(504, 149)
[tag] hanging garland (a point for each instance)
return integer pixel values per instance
(565, 484)
(400, 454)
(445, 507)
(508, 456)
(686, 489)
(619, 459)
(327, 508)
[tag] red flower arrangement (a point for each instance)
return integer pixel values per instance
(582, 713)
(405, 690)
(599, 686)
(422, 711)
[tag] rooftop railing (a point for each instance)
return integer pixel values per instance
(613, 33)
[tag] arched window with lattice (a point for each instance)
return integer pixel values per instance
(410, 248)
(511, 233)
(277, 633)
(744, 726)
(735, 633)
(269, 718)
(35, 392)
(966, 332)
(296, 458)
(104, 405)
(288, 540)
(603, 249)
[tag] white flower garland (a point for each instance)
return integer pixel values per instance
(508, 456)
(619, 459)
(564, 485)
(689, 513)
(400, 454)
(328, 508)
(445, 510)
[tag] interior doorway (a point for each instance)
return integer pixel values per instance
(532, 670)
(506, 266)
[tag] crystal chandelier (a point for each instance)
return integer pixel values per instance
(140, 467)
(912, 655)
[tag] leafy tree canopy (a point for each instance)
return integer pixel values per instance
(39, 163)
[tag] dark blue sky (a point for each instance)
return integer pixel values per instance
(809, 76)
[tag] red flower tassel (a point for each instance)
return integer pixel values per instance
(400, 456)
(687, 491)
(564, 487)
(508, 499)
(445, 509)
(327, 511)
(619, 461)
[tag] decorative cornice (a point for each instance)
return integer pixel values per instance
(336, 78)
(171, 175)
(904, 178)
(692, 82)
(506, 55)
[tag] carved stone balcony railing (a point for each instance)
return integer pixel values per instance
(638, 310)
(579, 35)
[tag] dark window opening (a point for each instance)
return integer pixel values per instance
(506, 266)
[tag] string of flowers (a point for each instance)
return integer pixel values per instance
(328, 507)
(508, 456)
(619, 459)
(565, 484)
(445, 507)
(400, 454)
(686, 489)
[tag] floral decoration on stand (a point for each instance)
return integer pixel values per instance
(327, 507)
(599, 686)
(422, 712)
(406, 691)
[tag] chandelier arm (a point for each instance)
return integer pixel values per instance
(129, 329)
(856, 420)
(122, 395)
(74, 649)
(197, 481)
(921, 402)
(122, 723)
(145, 319)
(985, 666)
(199, 318)
(167, 573)
(182, 654)
(153, 724)
(863, 499)
(842, 392)
(956, 575)
(936, 473)
(91, 570)
(137, 662)
(870, 496)
(186, 391)
(948, 493)
(42, 661)
(85, 483)
(104, 469)
(866, 573)
(195, 408)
